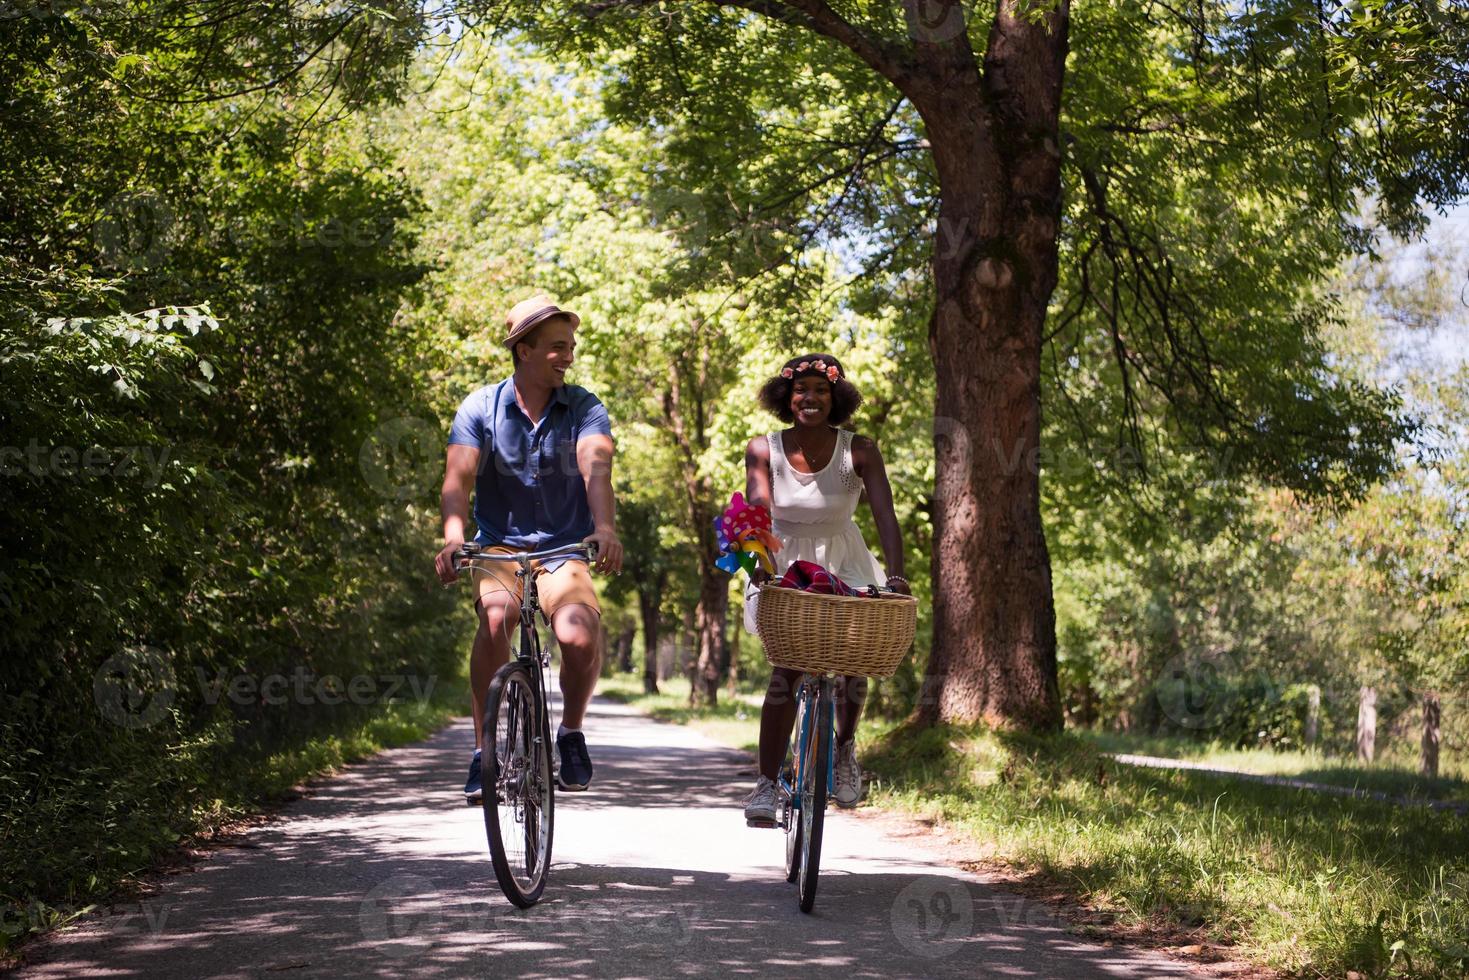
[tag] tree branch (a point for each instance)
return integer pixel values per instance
(892, 61)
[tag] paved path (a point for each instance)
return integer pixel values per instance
(1160, 762)
(383, 872)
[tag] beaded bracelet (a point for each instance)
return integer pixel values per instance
(899, 578)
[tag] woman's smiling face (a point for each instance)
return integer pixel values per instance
(811, 400)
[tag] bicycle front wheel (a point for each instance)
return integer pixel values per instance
(518, 794)
(814, 770)
(791, 818)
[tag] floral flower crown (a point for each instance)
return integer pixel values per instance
(831, 371)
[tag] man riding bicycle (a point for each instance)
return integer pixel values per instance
(538, 453)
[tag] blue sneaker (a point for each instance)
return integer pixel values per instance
(576, 766)
(473, 791)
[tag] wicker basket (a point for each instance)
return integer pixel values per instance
(830, 634)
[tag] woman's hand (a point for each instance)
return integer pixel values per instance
(899, 584)
(760, 576)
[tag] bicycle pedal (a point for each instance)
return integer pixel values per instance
(763, 824)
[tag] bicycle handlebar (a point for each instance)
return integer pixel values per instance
(471, 550)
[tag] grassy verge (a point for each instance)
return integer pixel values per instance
(111, 852)
(1309, 884)
(1391, 774)
(1301, 882)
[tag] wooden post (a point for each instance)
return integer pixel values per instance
(1313, 714)
(1432, 715)
(1366, 723)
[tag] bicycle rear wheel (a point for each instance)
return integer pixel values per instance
(518, 794)
(814, 769)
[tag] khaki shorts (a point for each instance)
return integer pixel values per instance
(568, 585)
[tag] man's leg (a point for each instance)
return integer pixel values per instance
(499, 616)
(570, 600)
(578, 633)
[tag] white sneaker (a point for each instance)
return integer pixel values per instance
(848, 791)
(760, 806)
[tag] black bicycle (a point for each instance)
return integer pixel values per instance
(519, 791)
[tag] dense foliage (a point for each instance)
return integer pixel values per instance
(213, 547)
(231, 335)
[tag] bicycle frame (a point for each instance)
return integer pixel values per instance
(521, 762)
(805, 697)
(531, 653)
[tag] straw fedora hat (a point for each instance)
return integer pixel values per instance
(528, 314)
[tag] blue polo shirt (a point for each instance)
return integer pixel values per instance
(528, 492)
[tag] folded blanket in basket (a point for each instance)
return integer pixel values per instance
(807, 576)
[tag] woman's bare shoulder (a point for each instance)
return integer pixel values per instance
(758, 448)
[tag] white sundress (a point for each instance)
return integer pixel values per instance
(811, 515)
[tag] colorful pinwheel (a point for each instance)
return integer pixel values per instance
(744, 536)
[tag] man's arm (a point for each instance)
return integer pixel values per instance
(594, 460)
(460, 465)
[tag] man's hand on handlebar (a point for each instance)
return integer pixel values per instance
(444, 562)
(609, 551)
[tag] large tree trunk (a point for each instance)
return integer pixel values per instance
(732, 657)
(687, 424)
(1313, 714)
(709, 621)
(995, 145)
(624, 646)
(1432, 714)
(1367, 723)
(648, 602)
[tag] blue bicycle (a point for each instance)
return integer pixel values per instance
(805, 782)
(824, 637)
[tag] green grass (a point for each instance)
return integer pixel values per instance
(1302, 882)
(1309, 884)
(1393, 773)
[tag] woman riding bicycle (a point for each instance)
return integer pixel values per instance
(811, 477)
